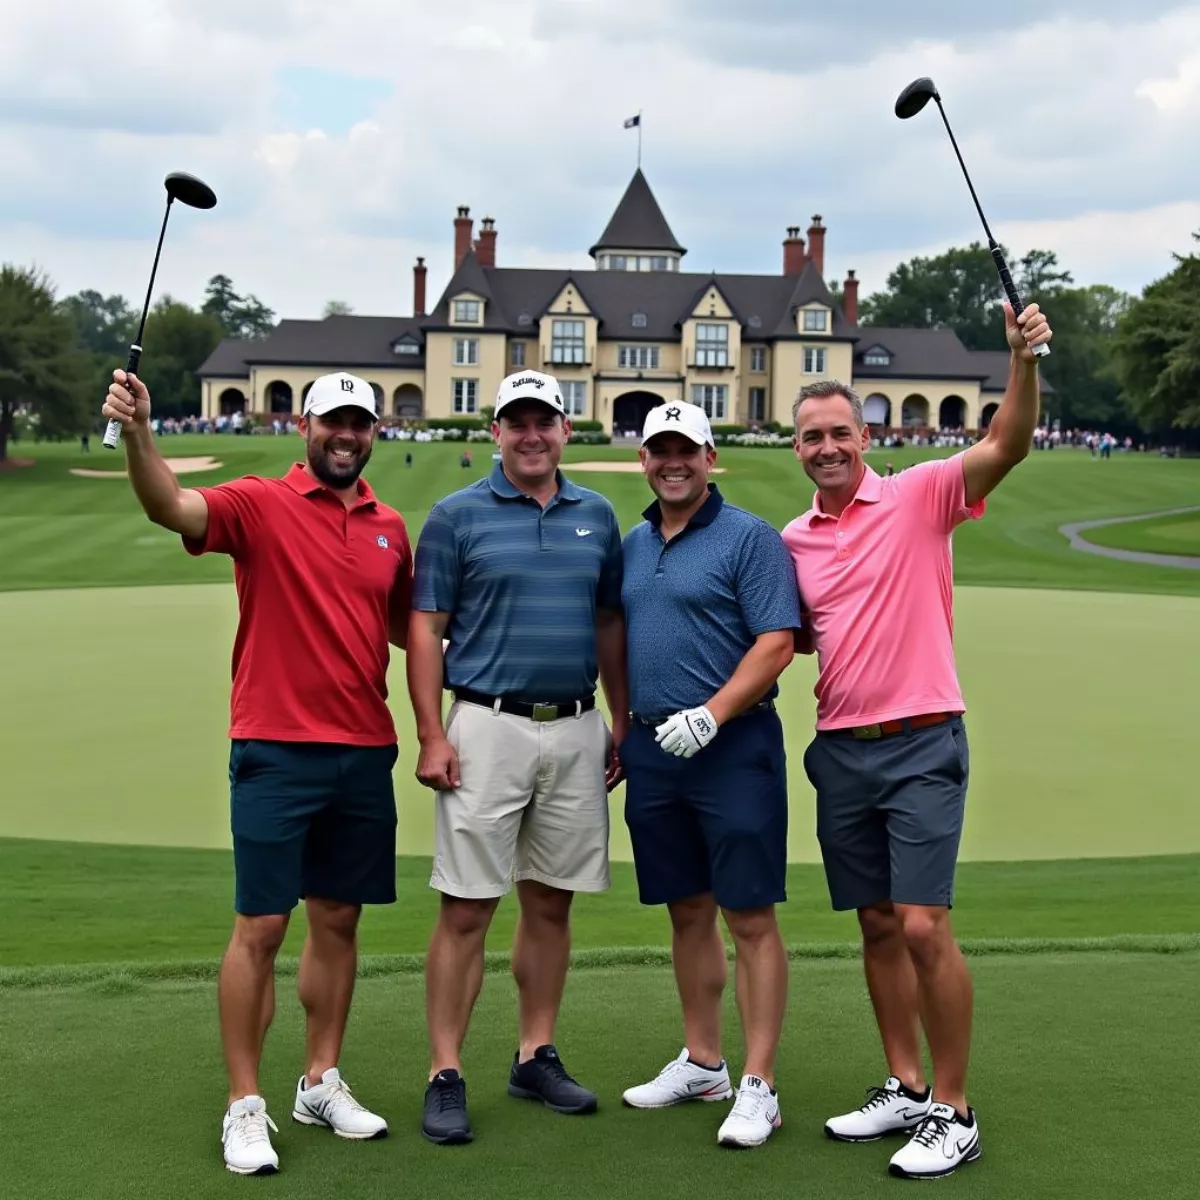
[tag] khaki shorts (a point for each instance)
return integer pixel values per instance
(532, 804)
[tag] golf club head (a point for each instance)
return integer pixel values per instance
(189, 190)
(915, 97)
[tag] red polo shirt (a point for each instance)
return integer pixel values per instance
(316, 584)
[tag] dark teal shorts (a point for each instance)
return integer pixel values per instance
(311, 820)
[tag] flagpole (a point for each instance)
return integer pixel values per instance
(639, 139)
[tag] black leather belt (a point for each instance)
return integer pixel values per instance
(542, 711)
(761, 706)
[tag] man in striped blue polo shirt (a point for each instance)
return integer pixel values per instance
(521, 574)
(711, 608)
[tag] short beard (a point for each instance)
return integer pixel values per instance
(332, 476)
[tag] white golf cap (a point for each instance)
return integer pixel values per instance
(685, 418)
(339, 390)
(530, 385)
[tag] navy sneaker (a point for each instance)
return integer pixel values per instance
(545, 1078)
(446, 1122)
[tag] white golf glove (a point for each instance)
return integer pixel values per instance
(686, 732)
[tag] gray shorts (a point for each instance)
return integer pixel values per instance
(890, 813)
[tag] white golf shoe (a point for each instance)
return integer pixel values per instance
(941, 1144)
(244, 1136)
(679, 1081)
(754, 1116)
(331, 1103)
(889, 1109)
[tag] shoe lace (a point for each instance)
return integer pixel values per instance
(448, 1096)
(932, 1130)
(340, 1096)
(673, 1068)
(749, 1103)
(877, 1097)
(251, 1127)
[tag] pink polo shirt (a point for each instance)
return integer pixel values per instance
(877, 586)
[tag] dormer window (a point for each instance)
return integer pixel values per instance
(405, 347)
(877, 356)
(639, 320)
(816, 320)
(466, 312)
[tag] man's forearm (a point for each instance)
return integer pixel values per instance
(154, 483)
(610, 657)
(424, 668)
(762, 665)
(1015, 420)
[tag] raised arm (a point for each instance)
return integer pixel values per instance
(1010, 434)
(176, 508)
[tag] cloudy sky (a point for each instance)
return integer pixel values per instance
(341, 139)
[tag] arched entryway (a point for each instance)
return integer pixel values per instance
(914, 411)
(407, 402)
(233, 400)
(952, 414)
(279, 396)
(985, 418)
(877, 410)
(630, 410)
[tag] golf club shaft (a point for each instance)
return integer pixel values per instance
(112, 435)
(997, 254)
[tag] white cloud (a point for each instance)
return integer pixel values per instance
(1077, 123)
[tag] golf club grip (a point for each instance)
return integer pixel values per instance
(112, 435)
(1010, 291)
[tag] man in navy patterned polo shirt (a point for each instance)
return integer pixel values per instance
(521, 574)
(711, 608)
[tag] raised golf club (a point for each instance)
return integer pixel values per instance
(908, 104)
(195, 193)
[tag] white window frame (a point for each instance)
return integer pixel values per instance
(466, 352)
(712, 344)
(575, 397)
(467, 312)
(713, 398)
(638, 358)
(516, 354)
(811, 317)
(570, 347)
(756, 393)
(815, 360)
(758, 358)
(464, 397)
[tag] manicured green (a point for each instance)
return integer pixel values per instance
(116, 1091)
(57, 530)
(86, 904)
(1178, 534)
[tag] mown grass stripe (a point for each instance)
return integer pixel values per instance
(118, 976)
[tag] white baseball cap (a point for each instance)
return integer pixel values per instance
(685, 418)
(530, 385)
(339, 390)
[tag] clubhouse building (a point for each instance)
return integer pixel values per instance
(636, 330)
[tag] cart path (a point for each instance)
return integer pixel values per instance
(1072, 532)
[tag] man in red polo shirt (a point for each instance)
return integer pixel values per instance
(889, 761)
(324, 581)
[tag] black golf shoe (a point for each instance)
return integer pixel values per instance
(545, 1078)
(445, 1121)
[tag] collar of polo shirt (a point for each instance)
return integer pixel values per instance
(299, 480)
(870, 491)
(503, 486)
(704, 515)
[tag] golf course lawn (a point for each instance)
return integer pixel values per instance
(1175, 534)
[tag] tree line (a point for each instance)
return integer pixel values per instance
(1128, 364)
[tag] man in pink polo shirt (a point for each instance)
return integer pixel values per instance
(889, 761)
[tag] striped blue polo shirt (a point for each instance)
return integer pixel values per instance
(695, 605)
(522, 585)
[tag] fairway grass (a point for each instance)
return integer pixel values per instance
(1176, 534)
(124, 1086)
(1081, 723)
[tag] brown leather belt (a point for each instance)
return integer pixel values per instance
(900, 725)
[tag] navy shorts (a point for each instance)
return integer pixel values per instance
(311, 819)
(890, 813)
(716, 822)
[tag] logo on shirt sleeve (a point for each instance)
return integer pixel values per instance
(381, 542)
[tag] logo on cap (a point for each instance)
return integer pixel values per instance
(347, 385)
(528, 379)
(673, 414)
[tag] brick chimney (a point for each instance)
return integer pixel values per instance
(485, 248)
(794, 257)
(462, 234)
(850, 299)
(419, 288)
(816, 244)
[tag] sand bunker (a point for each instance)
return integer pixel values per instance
(181, 466)
(617, 465)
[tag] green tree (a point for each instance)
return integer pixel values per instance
(105, 324)
(337, 308)
(239, 316)
(42, 371)
(1157, 349)
(178, 339)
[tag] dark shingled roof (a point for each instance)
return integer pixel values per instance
(229, 358)
(341, 341)
(638, 223)
(916, 354)
(995, 363)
